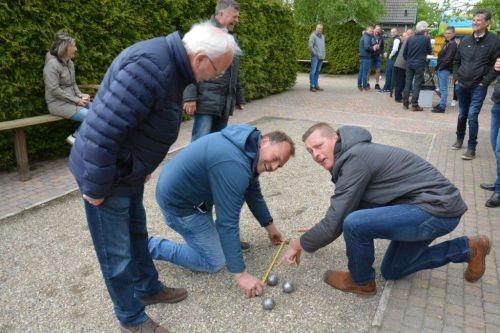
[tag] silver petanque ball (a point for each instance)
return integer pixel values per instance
(272, 280)
(288, 287)
(268, 303)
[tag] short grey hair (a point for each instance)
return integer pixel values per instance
(209, 40)
(421, 26)
(62, 41)
(223, 5)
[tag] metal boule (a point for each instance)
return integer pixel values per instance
(288, 287)
(268, 303)
(272, 280)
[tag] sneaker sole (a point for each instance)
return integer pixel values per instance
(456, 148)
(467, 158)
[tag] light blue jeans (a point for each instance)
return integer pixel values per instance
(81, 114)
(202, 250)
(443, 76)
(316, 64)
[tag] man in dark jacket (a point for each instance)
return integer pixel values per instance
(494, 200)
(415, 53)
(473, 68)
(445, 67)
(384, 192)
(212, 102)
(220, 170)
(378, 51)
(133, 122)
(365, 54)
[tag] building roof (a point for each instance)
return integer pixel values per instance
(400, 12)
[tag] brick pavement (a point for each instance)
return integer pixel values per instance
(438, 300)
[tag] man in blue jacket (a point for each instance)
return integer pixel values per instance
(133, 122)
(415, 53)
(220, 169)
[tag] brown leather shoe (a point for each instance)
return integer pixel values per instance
(312, 89)
(149, 326)
(480, 246)
(167, 295)
(343, 281)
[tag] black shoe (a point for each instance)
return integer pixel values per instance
(457, 145)
(377, 87)
(493, 201)
(319, 89)
(416, 108)
(398, 100)
(487, 187)
(406, 106)
(312, 89)
(437, 109)
(469, 155)
(245, 246)
(367, 88)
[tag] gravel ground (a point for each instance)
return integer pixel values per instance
(50, 280)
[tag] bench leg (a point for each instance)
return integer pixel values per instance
(23, 166)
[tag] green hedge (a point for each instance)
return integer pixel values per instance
(341, 47)
(102, 29)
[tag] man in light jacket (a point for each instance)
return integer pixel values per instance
(316, 47)
(220, 170)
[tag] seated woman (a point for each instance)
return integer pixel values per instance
(62, 95)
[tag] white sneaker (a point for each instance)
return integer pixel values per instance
(70, 139)
(453, 103)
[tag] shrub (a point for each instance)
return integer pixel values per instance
(341, 47)
(102, 29)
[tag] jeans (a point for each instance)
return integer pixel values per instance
(81, 114)
(495, 140)
(443, 76)
(205, 124)
(364, 70)
(118, 230)
(202, 251)
(418, 74)
(316, 64)
(400, 83)
(388, 74)
(470, 102)
(410, 230)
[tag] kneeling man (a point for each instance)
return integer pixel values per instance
(220, 169)
(388, 193)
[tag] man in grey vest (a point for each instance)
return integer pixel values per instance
(316, 47)
(212, 102)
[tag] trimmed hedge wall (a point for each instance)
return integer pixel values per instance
(341, 43)
(102, 29)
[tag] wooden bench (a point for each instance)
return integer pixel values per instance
(18, 126)
(308, 61)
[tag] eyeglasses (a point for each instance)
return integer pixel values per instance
(217, 73)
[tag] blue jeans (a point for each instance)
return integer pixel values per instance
(470, 102)
(410, 230)
(443, 76)
(364, 70)
(388, 74)
(205, 124)
(202, 251)
(316, 64)
(81, 114)
(118, 230)
(495, 140)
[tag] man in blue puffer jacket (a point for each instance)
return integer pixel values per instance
(134, 120)
(220, 169)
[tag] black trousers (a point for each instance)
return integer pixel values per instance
(418, 75)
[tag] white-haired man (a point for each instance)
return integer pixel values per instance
(415, 53)
(134, 120)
